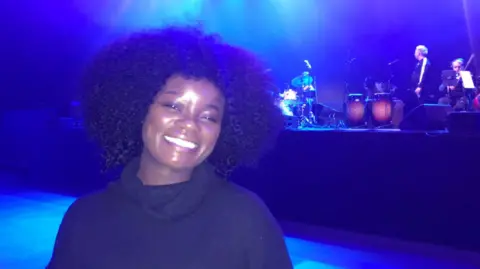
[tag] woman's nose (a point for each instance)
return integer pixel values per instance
(187, 123)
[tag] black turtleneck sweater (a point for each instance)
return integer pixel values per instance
(204, 223)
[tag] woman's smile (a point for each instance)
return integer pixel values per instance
(181, 143)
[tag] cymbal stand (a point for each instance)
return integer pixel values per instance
(348, 71)
(310, 118)
(315, 100)
(304, 121)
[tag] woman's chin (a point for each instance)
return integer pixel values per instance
(182, 161)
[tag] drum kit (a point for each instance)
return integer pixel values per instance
(374, 108)
(298, 98)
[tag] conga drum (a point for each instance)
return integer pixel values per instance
(355, 109)
(382, 109)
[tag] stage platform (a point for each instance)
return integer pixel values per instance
(415, 186)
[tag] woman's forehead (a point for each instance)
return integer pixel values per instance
(199, 90)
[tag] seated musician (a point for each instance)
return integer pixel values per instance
(304, 82)
(454, 95)
(303, 85)
(370, 88)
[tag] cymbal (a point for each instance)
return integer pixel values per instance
(301, 81)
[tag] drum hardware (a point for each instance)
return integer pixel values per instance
(335, 122)
(307, 119)
(303, 119)
(328, 117)
(300, 99)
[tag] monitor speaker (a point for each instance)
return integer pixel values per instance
(465, 123)
(426, 117)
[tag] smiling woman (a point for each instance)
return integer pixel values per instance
(181, 128)
(179, 109)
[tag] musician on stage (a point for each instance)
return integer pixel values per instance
(454, 95)
(421, 78)
(369, 87)
(303, 85)
(304, 81)
(305, 89)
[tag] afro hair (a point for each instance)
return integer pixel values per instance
(124, 77)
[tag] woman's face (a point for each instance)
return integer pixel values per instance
(183, 123)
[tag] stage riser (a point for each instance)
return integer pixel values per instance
(420, 187)
(417, 187)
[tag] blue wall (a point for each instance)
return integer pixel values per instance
(47, 43)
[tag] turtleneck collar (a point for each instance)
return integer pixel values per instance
(168, 202)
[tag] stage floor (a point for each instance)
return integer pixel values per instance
(363, 130)
(30, 219)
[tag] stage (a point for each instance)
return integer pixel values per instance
(415, 186)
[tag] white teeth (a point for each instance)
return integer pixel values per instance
(180, 142)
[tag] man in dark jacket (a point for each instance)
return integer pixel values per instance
(421, 77)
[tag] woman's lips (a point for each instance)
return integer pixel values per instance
(182, 143)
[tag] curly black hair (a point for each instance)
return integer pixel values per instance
(123, 79)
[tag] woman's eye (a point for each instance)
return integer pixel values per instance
(171, 106)
(210, 119)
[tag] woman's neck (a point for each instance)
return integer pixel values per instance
(152, 173)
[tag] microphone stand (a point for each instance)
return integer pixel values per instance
(348, 71)
(315, 98)
(311, 116)
(346, 90)
(346, 81)
(391, 76)
(314, 84)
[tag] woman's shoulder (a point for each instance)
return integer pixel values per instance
(242, 200)
(88, 204)
(248, 216)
